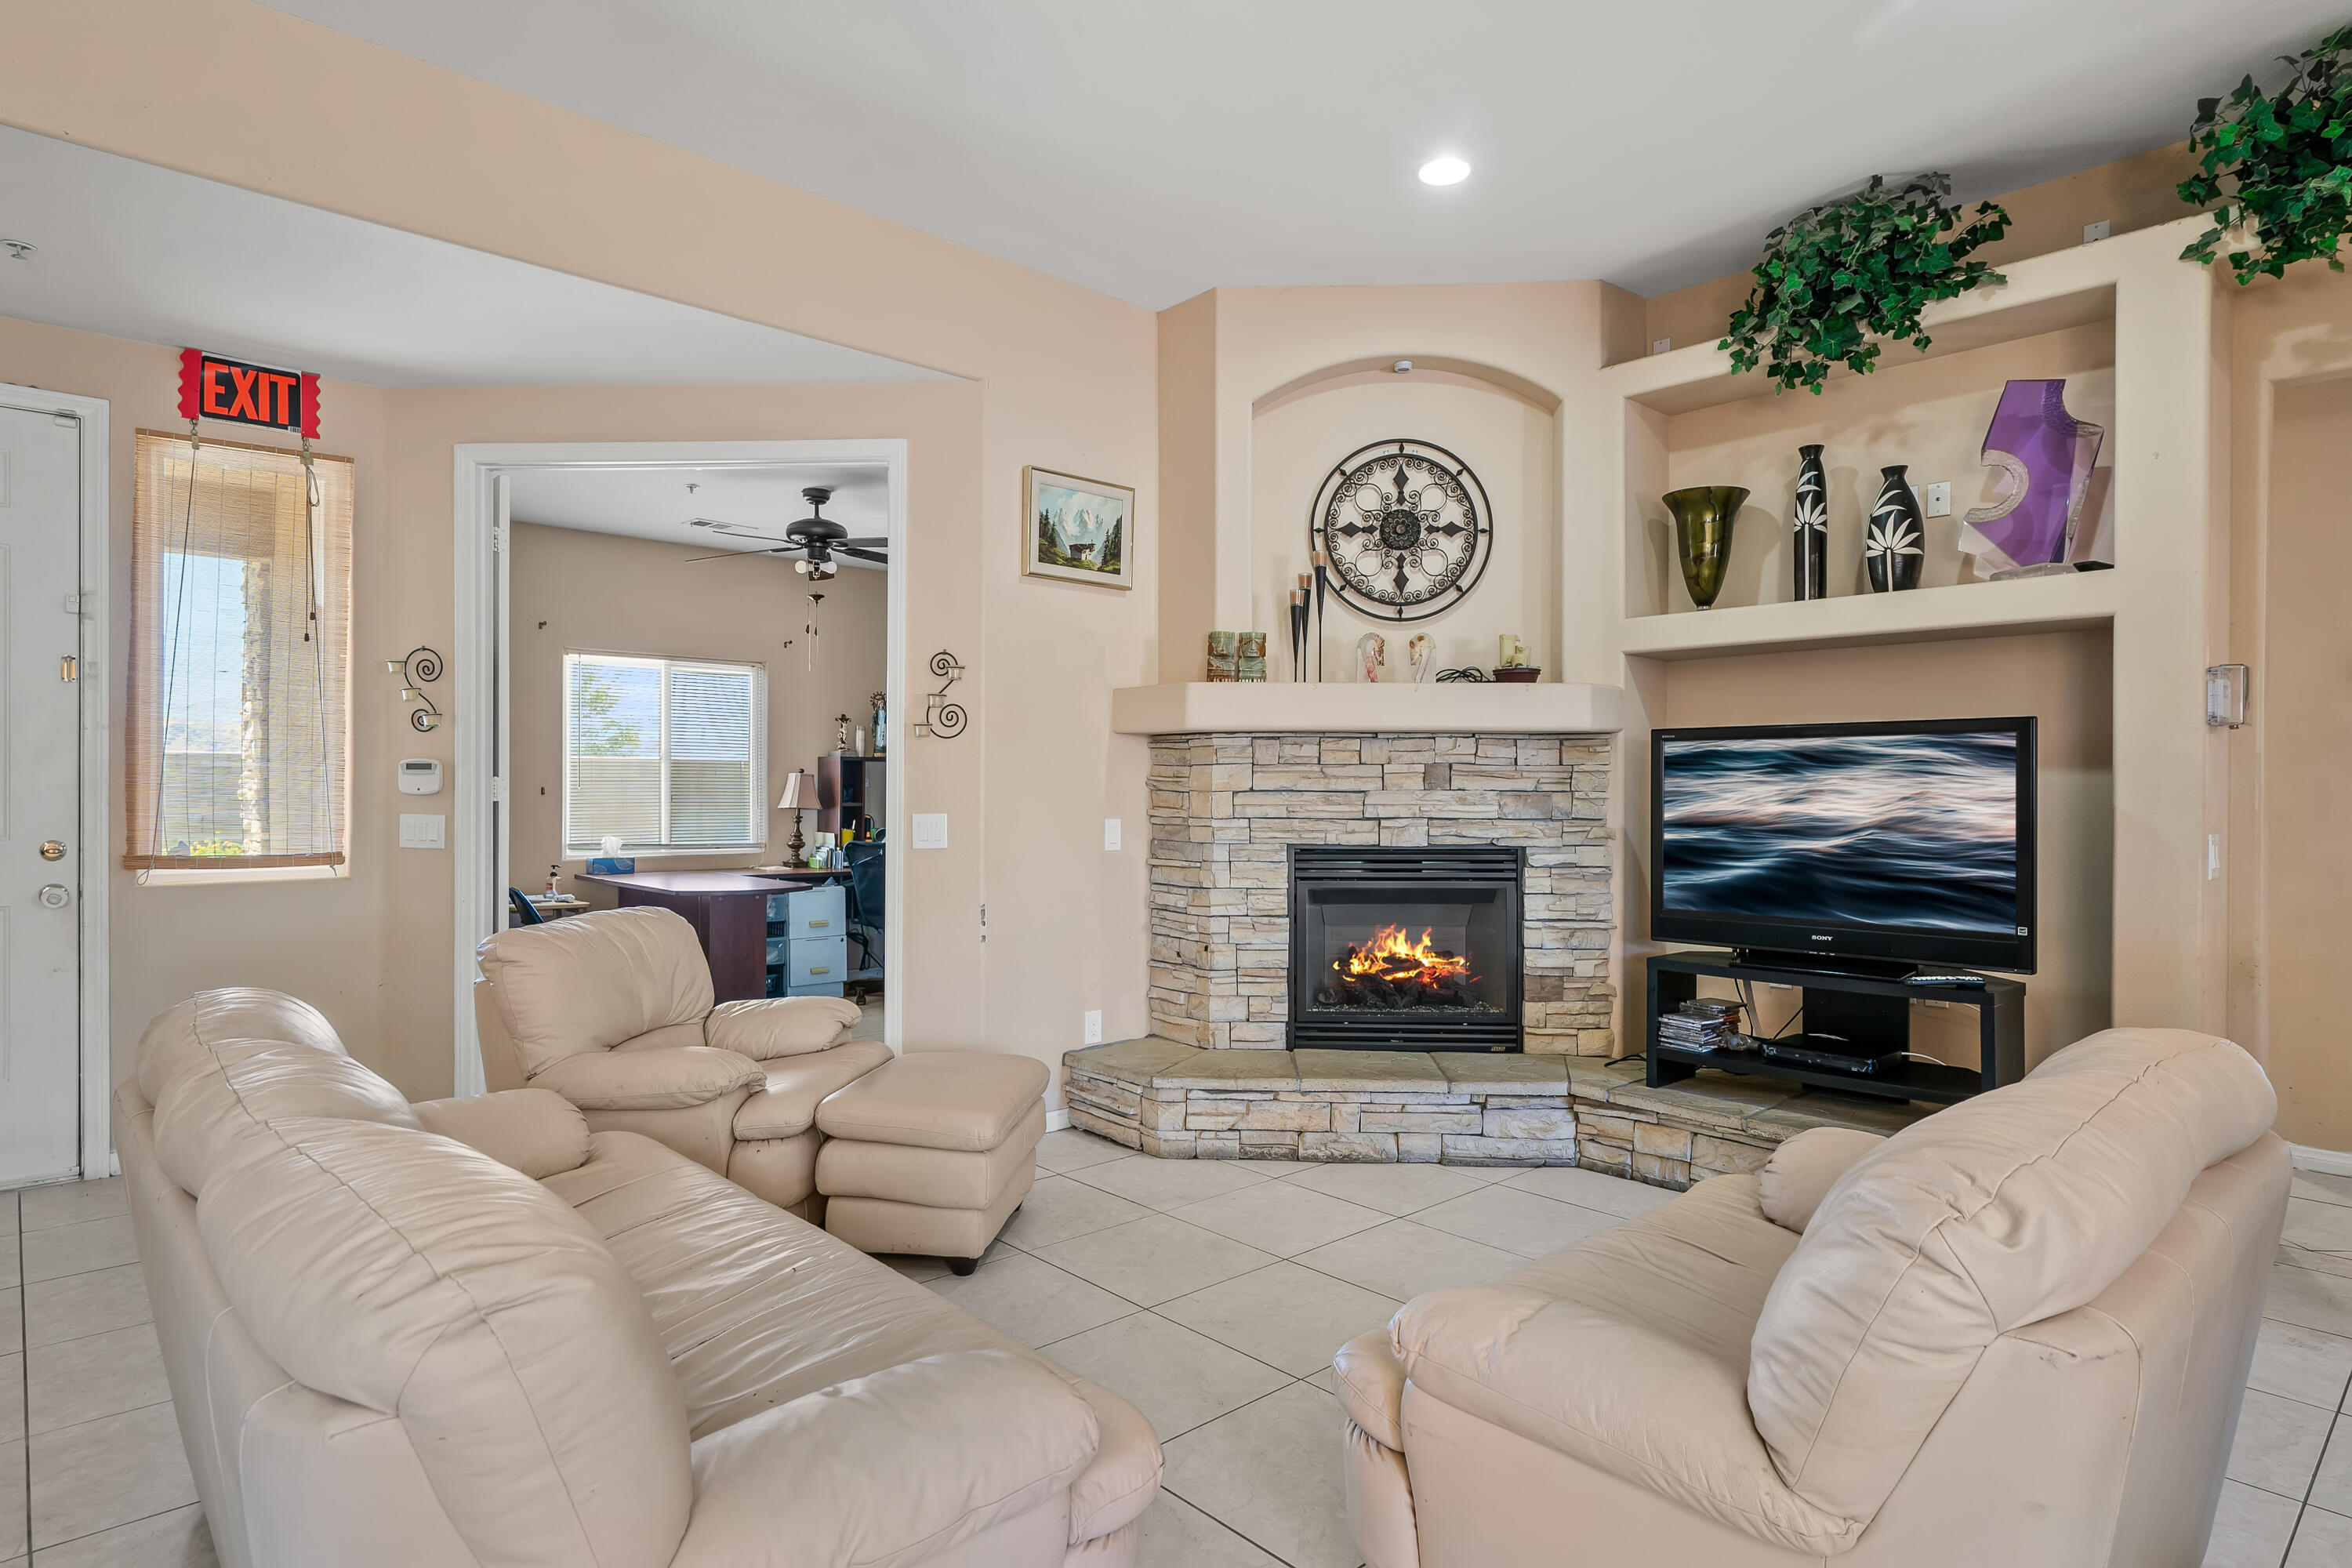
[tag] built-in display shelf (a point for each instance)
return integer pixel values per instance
(2067, 603)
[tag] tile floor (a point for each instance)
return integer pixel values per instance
(1211, 1294)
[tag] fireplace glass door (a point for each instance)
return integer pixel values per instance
(1420, 953)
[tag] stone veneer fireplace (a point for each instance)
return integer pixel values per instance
(1227, 809)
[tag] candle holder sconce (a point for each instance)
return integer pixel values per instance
(941, 718)
(420, 665)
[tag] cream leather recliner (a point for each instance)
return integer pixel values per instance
(611, 1011)
(473, 1332)
(2015, 1333)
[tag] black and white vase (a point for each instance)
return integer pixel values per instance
(1810, 526)
(1895, 547)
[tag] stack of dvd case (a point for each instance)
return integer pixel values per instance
(1703, 1025)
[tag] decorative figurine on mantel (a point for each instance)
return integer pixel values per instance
(1371, 653)
(1417, 654)
(2045, 455)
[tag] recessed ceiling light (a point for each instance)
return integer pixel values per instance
(1444, 171)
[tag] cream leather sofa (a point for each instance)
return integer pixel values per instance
(473, 1332)
(613, 1011)
(2015, 1333)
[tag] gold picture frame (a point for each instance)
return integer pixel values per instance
(1076, 530)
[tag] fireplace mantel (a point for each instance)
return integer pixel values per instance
(1291, 708)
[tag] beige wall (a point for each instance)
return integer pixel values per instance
(2063, 679)
(1061, 376)
(572, 591)
(1506, 439)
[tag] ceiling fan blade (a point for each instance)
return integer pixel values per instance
(861, 543)
(734, 556)
(873, 556)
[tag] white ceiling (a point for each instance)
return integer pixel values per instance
(1155, 151)
(653, 503)
(135, 251)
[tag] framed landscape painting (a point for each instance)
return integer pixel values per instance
(1081, 531)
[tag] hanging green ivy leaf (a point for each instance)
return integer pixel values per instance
(2287, 159)
(1880, 257)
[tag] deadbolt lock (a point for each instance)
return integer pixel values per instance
(52, 850)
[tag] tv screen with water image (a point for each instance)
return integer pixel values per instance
(1910, 841)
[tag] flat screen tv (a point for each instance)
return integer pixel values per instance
(1907, 842)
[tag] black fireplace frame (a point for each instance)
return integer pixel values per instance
(1412, 870)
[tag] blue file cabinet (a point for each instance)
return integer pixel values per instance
(808, 943)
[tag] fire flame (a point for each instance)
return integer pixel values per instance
(1391, 957)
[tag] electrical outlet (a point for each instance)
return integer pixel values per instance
(1094, 1028)
(2094, 232)
(1660, 345)
(1935, 500)
(1111, 832)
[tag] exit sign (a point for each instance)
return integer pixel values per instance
(213, 387)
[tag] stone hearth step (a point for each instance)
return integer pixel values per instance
(1457, 1108)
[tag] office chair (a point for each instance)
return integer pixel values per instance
(866, 862)
(526, 912)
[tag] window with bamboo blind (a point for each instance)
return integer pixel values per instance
(238, 742)
(664, 754)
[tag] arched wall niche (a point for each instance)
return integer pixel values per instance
(1505, 426)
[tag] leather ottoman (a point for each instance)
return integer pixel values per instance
(931, 1153)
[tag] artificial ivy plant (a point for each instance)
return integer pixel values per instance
(1836, 282)
(2289, 157)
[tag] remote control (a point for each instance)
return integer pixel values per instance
(1974, 980)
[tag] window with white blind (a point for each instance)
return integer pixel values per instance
(665, 754)
(240, 650)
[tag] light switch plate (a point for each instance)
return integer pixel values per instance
(1935, 500)
(420, 830)
(1111, 832)
(1094, 1029)
(930, 829)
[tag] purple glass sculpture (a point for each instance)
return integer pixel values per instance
(2046, 455)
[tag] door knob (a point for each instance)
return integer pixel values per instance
(54, 896)
(52, 850)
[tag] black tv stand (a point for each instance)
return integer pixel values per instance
(1825, 964)
(1865, 1015)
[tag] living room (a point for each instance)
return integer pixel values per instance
(1207, 1124)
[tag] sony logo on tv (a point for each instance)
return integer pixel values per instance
(1822, 939)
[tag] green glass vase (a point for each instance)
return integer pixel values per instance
(1702, 518)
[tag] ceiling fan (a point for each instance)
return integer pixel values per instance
(814, 539)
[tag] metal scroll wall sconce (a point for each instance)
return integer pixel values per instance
(421, 665)
(941, 718)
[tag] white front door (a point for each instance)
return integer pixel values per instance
(41, 859)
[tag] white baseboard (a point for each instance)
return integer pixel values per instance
(1055, 1121)
(2328, 1161)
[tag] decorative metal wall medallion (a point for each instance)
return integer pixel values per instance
(1407, 526)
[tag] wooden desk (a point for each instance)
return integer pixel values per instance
(729, 911)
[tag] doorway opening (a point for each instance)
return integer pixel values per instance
(666, 674)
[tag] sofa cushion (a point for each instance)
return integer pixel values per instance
(768, 1028)
(669, 1079)
(591, 981)
(1993, 1213)
(785, 1106)
(1804, 1169)
(937, 1100)
(1629, 1353)
(757, 1308)
(533, 1130)
(411, 1275)
(221, 1077)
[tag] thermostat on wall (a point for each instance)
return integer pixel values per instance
(420, 776)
